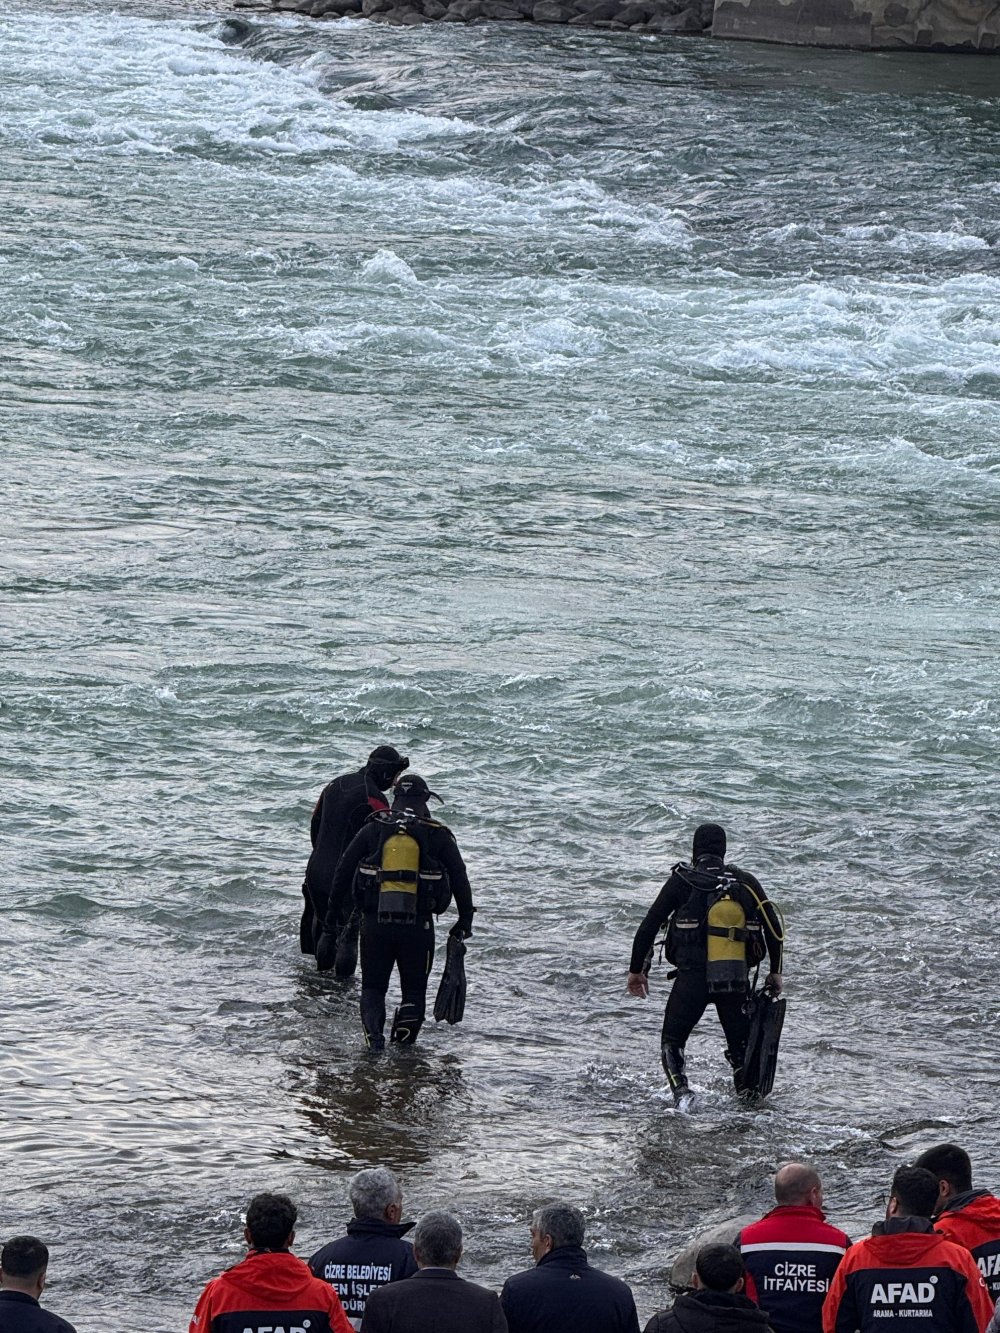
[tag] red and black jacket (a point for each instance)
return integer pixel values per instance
(790, 1255)
(267, 1291)
(907, 1276)
(973, 1220)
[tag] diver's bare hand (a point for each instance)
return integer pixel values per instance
(772, 982)
(637, 984)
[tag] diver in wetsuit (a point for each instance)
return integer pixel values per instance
(343, 806)
(720, 923)
(403, 868)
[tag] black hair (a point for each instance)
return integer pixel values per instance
(948, 1162)
(720, 1267)
(270, 1221)
(24, 1257)
(915, 1190)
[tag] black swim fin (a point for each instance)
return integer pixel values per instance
(767, 1017)
(450, 1001)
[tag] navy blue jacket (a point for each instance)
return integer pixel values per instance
(370, 1255)
(21, 1313)
(563, 1294)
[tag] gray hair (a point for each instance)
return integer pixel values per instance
(560, 1221)
(372, 1192)
(437, 1241)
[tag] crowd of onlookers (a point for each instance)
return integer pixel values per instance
(934, 1258)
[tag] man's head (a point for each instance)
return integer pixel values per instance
(384, 763)
(798, 1185)
(950, 1166)
(375, 1196)
(555, 1225)
(719, 1268)
(270, 1222)
(709, 840)
(914, 1193)
(437, 1241)
(23, 1261)
(412, 793)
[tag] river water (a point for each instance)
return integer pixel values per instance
(612, 424)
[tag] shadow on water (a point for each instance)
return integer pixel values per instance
(395, 1107)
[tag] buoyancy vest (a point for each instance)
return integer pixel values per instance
(401, 880)
(717, 928)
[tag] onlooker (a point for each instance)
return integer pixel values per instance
(968, 1217)
(562, 1292)
(717, 1304)
(792, 1253)
(373, 1251)
(270, 1286)
(435, 1299)
(905, 1274)
(24, 1262)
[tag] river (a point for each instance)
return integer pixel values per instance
(611, 423)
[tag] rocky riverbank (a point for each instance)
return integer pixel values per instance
(654, 16)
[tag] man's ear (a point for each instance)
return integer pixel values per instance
(740, 1285)
(696, 1281)
(247, 1237)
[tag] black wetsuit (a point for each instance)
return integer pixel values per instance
(408, 946)
(689, 996)
(343, 806)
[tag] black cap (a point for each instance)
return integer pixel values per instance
(412, 789)
(709, 840)
(386, 756)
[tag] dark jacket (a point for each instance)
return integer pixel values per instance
(791, 1254)
(972, 1219)
(370, 1255)
(343, 806)
(710, 1312)
(435, 1300)
(906, 1276)
(21, 1313)
(563, 1294)
(441, 846)
(675, 894)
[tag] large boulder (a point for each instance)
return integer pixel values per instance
(723, 1233)
(551, 11)
(501, 9)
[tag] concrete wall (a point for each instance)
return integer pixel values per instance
(927, 25)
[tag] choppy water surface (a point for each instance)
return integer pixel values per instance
(612, 424)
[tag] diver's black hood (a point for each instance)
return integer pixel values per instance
(709, 840)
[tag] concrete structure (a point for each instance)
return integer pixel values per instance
(919, 25)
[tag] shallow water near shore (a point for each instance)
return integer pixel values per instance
(611, 424)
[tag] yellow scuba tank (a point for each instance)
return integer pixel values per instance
(399, 877)
(726, 943)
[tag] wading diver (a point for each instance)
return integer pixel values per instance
(403, 868)
(343, 806)
(720, 924)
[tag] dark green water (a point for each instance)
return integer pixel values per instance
(611, 423)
